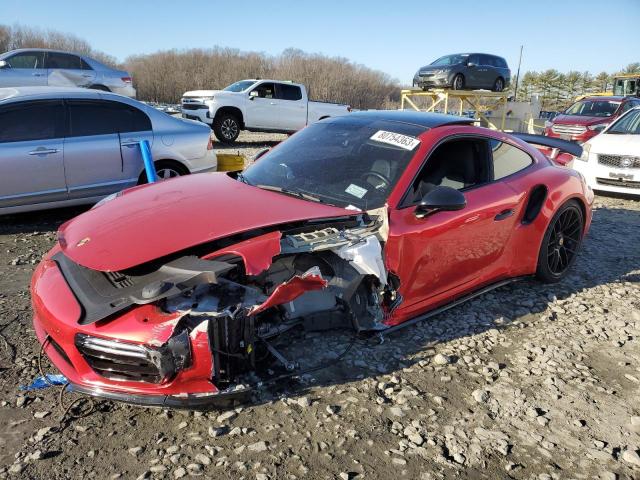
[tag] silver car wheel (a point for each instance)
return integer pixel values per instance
(166, 173)
(229, 128)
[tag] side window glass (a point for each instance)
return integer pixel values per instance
(63, 61)
(265, 90)
(459, 164)
(475, 59)
(30, 60)
(288, 92)
(28, 121)
(84, 65)
(508, 159)
(88, 118)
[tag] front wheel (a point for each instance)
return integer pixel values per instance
(458, 82)
(561, 243)
(226, 128)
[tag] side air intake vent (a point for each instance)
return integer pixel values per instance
(534, 204)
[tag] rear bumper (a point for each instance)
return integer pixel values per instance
(206, 163)
(126, 90)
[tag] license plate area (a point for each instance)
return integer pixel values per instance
(621, 176)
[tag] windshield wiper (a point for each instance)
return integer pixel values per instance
(293, 193)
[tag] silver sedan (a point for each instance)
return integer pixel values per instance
(72, 146)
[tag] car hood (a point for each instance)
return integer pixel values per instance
(200, 93)
(580, 120)
(616, 144)
(430, 68)
(151, 221)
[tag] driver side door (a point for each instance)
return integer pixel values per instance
(449, 253)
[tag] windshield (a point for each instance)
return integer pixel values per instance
(627, 125)
(450, 60)
(593, 108)
(239, 86)
(345, 161)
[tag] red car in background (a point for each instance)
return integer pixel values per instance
(187, 292)
(588, 117)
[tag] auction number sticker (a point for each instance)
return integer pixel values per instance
(395, 139)
(356, 191)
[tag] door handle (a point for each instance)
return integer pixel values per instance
(129, 143)
(38, 74)
(272, 103)
(86, 75)
(43, 151)
(504, 214)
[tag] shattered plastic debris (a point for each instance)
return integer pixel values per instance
(49, 380)
(292, 289)
(366, 258)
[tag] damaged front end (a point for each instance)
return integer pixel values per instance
(222, 313)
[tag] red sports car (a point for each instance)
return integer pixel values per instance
(174, 293)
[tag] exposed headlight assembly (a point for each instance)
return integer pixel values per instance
(586, 148)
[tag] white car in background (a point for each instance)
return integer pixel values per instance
(257, 106)
(610, 162)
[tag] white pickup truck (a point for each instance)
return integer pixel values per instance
(257, 106)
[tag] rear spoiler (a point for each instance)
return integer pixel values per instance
(555, 144)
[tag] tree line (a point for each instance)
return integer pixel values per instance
(164, 76)
(558, 90)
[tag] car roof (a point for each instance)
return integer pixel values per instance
(52, 50)
(606, 98)
(422, 119)
(42, 92)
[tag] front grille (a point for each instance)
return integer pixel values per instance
(619, 161)
(118, 360)
(614, 182)
(194, 106)
(568, 129)
(119, 280)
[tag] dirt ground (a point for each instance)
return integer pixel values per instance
(528, 382)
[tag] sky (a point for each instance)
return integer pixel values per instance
(394, 36)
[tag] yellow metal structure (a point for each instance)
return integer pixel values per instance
(228, 162)
(481, 101)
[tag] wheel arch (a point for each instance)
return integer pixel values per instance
(233, 111)
(177, 163)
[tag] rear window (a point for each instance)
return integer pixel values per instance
(28, 121)
(88, 118)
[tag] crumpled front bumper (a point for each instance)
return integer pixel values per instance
(55, 320)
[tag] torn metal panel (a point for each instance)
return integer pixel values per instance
(382, 216)
(366, 257)
(292, 289)
(257, 253)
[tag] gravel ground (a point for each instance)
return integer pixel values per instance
(528, 382)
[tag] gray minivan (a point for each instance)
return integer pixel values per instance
(465, 71)
(38, 67)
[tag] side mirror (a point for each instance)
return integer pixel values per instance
(253, 94)
(441, 198)
(471, 64)
(598, 128)
(4, 64)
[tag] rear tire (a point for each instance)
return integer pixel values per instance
(165, 170)
(498, 85)
(458, 82)
(226, 128)
(561, 243)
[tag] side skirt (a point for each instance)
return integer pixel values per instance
(444, 308)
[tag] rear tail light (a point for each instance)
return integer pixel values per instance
(210, 144)
(126, 79)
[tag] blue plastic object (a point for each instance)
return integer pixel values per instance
(149, 166)
(49, 380)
